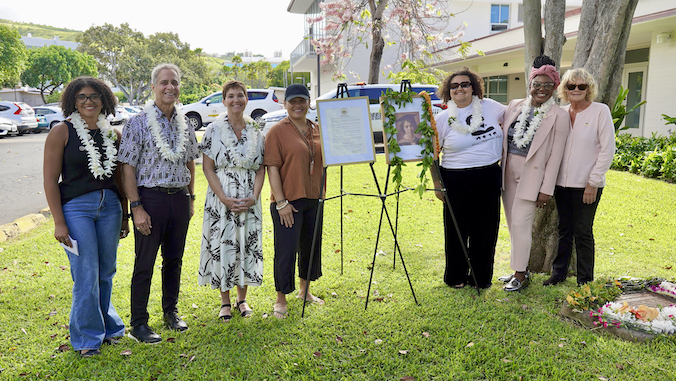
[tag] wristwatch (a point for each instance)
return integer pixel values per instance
(134, 204)
(192, 196)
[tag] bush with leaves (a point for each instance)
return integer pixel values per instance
(651, 157)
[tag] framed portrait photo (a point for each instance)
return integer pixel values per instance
(406, 120)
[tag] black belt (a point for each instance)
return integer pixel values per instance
(166, 190)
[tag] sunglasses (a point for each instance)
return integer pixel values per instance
(572, 87)
(464, 85)
(547, 86)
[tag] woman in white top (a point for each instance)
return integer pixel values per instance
(587, 157)
(470, 137)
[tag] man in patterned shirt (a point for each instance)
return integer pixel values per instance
(157, 152)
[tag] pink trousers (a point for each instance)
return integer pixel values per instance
(519, 214)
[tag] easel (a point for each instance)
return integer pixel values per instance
(341, 92)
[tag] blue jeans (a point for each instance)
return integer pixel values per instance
(94, 220)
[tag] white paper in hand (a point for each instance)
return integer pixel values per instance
(71, 249)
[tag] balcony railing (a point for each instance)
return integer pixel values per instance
(300, 52)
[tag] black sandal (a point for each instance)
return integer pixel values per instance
(245, 313)
(225, 318)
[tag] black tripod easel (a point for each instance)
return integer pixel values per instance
(341, 92)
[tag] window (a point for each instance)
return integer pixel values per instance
(218, 98)
(257, 95)
(499, 17)
(496, 88)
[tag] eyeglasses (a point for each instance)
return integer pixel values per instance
(538, 85)
(464, 85)
(81, 98)
(572, 87)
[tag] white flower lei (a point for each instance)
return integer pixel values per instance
(663, 323)
(161, 143)
(477, 117)
(109, 138)
(229, 140)
(521, 137)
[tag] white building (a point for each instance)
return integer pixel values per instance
(38, 42)
(496, 28)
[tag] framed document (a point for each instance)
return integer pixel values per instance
(345, 125)
(406, 119)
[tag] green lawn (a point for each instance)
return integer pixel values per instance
(451, 335)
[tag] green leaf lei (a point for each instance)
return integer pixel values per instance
(388, 100)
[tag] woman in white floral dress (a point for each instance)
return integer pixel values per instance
(232, 252)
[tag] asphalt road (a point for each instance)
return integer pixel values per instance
(21, 188)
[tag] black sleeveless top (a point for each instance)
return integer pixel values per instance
(76, 179)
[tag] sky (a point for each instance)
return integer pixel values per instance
(260, 26)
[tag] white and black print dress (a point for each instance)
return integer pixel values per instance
(232, 251)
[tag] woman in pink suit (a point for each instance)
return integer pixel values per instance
(535, 131)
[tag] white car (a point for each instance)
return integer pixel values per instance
(121, 116)
(21, 113)
(261, 101)
(7, 126)
(52, 114)
(373, 92)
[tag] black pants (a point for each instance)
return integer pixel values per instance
(576, 220)
(475, 198)
(296, 239)
(170, 216)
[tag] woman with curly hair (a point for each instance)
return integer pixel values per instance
(89, 209)
(471, 141)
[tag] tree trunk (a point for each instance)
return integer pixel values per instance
(555, 19)
(378, 42)
(602, 43)
(532, 33)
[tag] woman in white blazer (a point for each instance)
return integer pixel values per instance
(535, 131)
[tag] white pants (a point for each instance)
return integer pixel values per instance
(519, 214)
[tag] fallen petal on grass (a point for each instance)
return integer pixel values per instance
(126, 352)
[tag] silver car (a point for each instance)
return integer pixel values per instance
(7, 127)
(21, 113)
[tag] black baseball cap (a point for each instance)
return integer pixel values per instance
(296, 90)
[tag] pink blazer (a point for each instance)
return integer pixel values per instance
(541, 167)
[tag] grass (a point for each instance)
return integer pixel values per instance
(451, 335)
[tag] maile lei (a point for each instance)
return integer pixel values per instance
(427, 128)
(523, 136)
(156, 131)
(109, 137)
(236, 158)
(477, 117)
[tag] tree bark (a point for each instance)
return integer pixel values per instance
(378, 42)
(555, 19)
(532, 33)
(602, 43)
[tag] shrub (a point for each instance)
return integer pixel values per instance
(651, 157)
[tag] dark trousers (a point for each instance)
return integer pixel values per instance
(474, 194)
(576, 220)
(169, 216)
(296, 239)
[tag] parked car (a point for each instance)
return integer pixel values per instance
(21, 113)
(359, 90)
(120, 118)
(7, 126)
(132, 110)
(52, 114)
(261, 101)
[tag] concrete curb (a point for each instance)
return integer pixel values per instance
(23, 224)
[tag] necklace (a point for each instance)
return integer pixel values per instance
(233, 157)
(161, 143)
(477, 117)
(523, 136)
(310, 147)
(109, 137)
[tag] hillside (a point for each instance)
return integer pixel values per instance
(43, 31)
